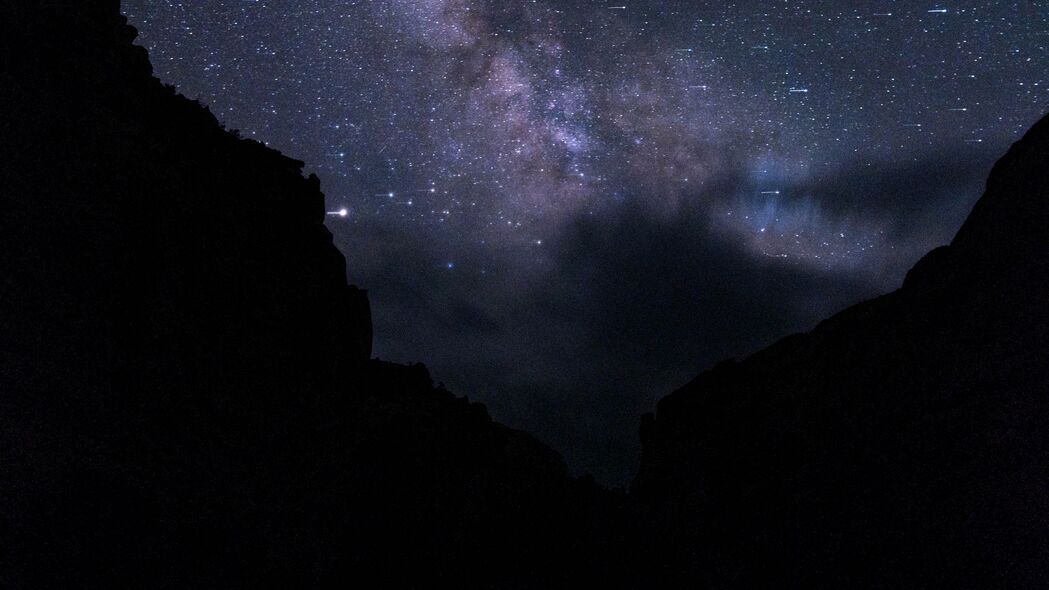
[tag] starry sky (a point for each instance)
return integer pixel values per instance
(569, 208)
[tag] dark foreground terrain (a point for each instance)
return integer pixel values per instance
(187, 397)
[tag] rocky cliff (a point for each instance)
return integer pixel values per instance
(903, 442)
(187, 396)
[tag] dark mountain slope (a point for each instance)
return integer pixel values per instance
(903, 442)
(186, 398)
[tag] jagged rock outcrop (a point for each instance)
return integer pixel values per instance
(901, 443)
(186, 398)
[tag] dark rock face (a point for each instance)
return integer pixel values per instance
(185, 387)
(902, 443)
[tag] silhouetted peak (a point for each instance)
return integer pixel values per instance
(900, 431)
(1008, 228)
(186, 384)
(1012, 218)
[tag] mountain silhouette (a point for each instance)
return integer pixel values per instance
(187, 397)
(900, 443)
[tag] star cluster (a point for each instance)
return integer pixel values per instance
(482, 158)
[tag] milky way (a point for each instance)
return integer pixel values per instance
(568, 208)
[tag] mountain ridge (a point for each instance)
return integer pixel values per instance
(188, 396)
(892, 429)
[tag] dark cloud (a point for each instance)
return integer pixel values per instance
(630, 304)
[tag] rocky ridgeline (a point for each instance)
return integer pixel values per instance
(900, 443)
(187, 395)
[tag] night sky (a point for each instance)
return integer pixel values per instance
(567, 209)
